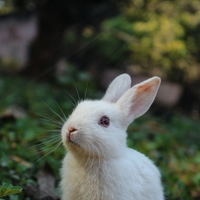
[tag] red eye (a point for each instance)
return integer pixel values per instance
(104, 121)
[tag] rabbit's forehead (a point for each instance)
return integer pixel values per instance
(96, 109)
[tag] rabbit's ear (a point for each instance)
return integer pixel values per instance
(137, 100)
(117, 88)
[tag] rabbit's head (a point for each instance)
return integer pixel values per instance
(98, 128)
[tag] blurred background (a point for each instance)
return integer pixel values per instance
(54, 53)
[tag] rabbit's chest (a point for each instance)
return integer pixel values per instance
(95, 182)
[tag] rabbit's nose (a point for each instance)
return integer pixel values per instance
(70, 130)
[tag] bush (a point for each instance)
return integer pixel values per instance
(156, 37)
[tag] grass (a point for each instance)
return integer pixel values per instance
(173, 145)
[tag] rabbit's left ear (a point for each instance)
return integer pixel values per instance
(117, 88)
(137, 100)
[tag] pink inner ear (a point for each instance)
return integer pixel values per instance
(143, 97)
(145, 87)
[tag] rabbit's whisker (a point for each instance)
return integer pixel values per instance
(56, 131)
(51, 141)
(50, 119)
(86, 89)
(53, 149)
(73, 103)
(77, 91)
(61, 110)
(53, 111)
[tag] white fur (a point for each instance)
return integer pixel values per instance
(117, 88)
(99, 165)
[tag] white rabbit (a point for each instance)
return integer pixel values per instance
(99, 165)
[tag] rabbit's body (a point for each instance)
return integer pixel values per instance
(99, 165)
(122, 178)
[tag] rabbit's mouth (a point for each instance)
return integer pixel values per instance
(71, 135)
(72, 142)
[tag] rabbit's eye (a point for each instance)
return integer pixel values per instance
(104, 121)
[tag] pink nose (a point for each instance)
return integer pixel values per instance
(70, 130)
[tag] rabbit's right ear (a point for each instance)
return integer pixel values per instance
(117, 88)
(137, 100)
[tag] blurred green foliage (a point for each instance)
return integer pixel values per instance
(26, 143)
(156, 37)
(8, 189)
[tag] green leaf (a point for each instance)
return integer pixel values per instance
(7, 189)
